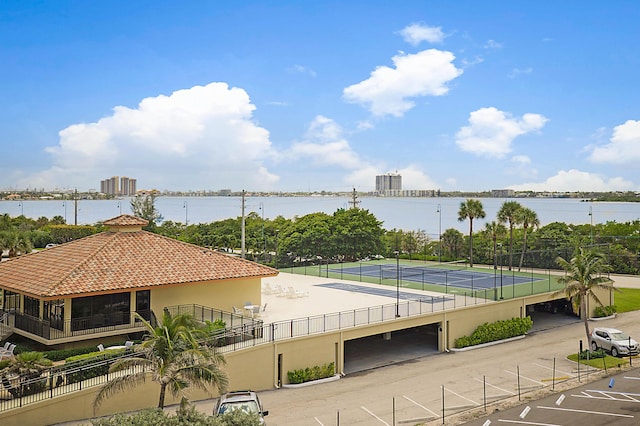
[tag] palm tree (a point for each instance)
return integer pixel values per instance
(173, 355)
(495, 230)
(28, 366)
(528, 218)
(583, 276)
(509, 213)
(471, 209)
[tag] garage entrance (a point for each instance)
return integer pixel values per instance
(551, 314)
(379, 350)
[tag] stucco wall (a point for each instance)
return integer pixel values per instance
(216, 294)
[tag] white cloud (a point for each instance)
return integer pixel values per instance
(324, 145)
(414, 178)
(576, 180)
(302, 70)
(519, 71)
(492, 44)
(415, 34)
(491, 132)
(520, 165)
(624, 146)
(205, 135)
(387, 90)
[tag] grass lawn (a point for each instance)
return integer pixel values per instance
(609, 361)
(627, 300)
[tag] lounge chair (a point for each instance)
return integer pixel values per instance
(100, 347)
(128, 344)
(8, 353)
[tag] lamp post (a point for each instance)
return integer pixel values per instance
(64, 205)
(501, 297)
(277, 241)
(264, 241)
(591, 218)
(439, 211)
(185, 206)
(21, 208)
(397, 283)
(120, 206)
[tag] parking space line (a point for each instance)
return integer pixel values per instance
(520, 422)
(374, 416)
(460, 396)
(557, 371)
(317, 420)
(420, 405)
(612, 396)
(495, 387)
(528, 378)
(601, 413)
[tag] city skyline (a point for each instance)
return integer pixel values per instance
(321, 96)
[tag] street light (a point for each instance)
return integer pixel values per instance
(21, 208)
(591, 217)
(64, 204)
(501, 297)
(439, 211)
(277, 241)
(185, 206)
(120, 206)
(397, 283)
(264, 241)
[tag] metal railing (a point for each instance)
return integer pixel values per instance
(58, 329)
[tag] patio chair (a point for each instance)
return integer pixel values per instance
(256, 310)
(267, 289)
(101, 347)
(237, 311)
(6, 346)
(128, 344)
(264, 308)
(7, 353)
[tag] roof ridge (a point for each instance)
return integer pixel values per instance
(86, 259)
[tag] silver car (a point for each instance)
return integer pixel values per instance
(246, 401)
(614, 341)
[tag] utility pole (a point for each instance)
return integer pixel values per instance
(354, 199)
(242, 252)
(75, 206)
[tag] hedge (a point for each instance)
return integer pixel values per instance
(309, 374)
(499, 330)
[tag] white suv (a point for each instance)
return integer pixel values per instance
(246, 401)
(614, 341)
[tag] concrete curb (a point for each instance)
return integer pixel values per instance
(313, 382)
(484, 345)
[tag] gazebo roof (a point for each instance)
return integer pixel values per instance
(123, 258)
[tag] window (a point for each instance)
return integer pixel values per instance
(31, 307)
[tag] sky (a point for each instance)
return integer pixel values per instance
(320, 95)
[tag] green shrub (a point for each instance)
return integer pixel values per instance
(604, 311)
(187, 417)
(309, 374)
(63, 354)
(587, 354)
(499, 330)
(77, 363)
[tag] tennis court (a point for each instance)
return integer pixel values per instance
(382, 291)
(446, 274)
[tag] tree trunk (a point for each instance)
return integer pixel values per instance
(524, 248)
(163, 391)
(471, 242)
(510, 245)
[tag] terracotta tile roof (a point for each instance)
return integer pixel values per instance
(126, 220)
(113, 260)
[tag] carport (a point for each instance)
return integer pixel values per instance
(398, 346)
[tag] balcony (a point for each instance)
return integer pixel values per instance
(59, 331)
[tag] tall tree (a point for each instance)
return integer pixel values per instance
(495, 230)
(174, 356)
(583, 276)
(471, 209)
(144, 206)
(527, 218)
(509, 213)
(452, 242)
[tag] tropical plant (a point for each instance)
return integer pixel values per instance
(175, 358)
(583, 276)
(495, 230)
(144, 206)
(509, 213)
(28, 367)
(528, 218)
(471, 209)
(452, 243)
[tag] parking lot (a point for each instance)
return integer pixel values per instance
(416, 391)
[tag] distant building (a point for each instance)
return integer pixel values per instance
(502, 193)
(116, 185)
(389, 184)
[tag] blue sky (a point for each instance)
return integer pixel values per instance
(320, 95)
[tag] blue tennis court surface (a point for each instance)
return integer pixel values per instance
(460, 278)
(386, 292)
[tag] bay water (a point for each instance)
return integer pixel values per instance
(432, 215)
